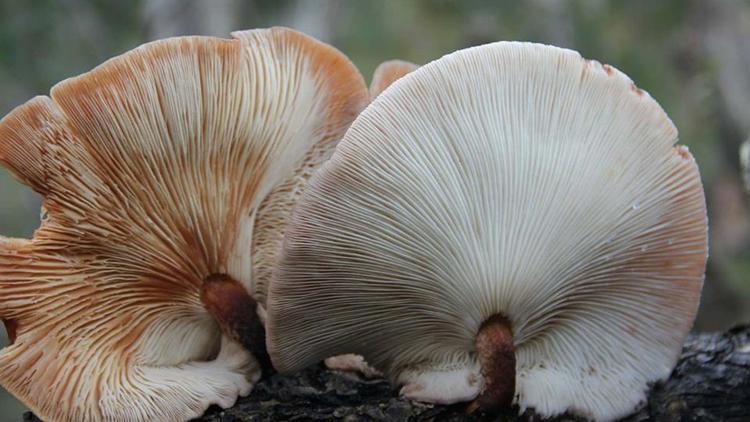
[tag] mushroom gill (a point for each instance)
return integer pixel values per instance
(508, 203)
(157, 169)
(384, 76)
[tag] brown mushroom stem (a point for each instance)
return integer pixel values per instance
(11, 327)
(236, 313)
(498, 362)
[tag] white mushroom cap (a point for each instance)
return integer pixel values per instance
(155, 168)
(515, 180)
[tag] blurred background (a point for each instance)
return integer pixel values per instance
(692, 56)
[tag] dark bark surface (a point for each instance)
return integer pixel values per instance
(711, 382)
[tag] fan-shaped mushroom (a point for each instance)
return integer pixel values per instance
(508, 222)
(167, 175)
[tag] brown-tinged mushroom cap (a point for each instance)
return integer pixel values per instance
(387, 73)
(509, 222)
(156, 170)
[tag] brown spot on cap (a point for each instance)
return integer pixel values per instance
(683, 152)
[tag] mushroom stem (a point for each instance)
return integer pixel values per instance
(236, 313)
(11, 328)
(498, 362)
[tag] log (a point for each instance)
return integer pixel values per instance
(711, 382)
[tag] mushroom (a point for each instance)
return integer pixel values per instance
(387, 73)
(167, 175)
(508, 223)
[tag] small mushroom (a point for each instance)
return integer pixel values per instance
(168, 174)
(387, 73)
(509, 223)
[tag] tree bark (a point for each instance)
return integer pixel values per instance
(711, 382)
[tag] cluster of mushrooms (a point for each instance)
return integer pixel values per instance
(508, 224)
